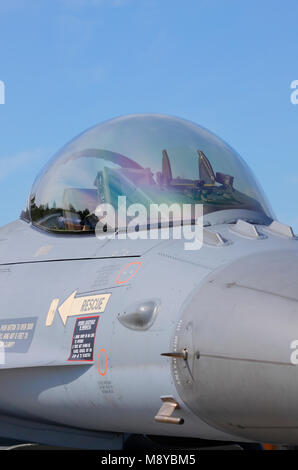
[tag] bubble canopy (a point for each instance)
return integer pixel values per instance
(149, 159)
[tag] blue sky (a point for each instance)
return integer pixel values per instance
(225, 64)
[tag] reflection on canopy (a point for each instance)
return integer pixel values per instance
(66, 194)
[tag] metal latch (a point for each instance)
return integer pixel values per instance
(167, 409)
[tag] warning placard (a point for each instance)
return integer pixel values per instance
(16, 334)
(82, 345)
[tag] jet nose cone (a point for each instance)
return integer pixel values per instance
(254, 303)
(239, 329)
(273, 272)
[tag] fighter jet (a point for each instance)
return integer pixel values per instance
(113, 328)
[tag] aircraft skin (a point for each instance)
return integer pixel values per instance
(225, 315)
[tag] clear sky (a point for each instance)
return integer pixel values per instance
(224, 64)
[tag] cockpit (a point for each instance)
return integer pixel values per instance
(149, 159)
